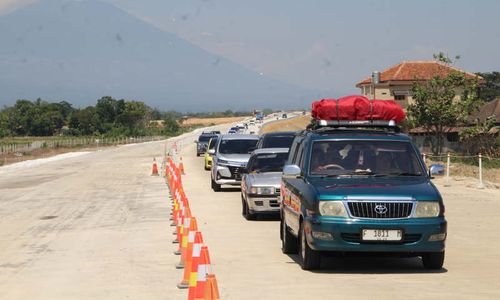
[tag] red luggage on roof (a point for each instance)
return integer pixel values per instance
(357, 108)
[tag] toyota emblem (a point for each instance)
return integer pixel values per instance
(380, 209)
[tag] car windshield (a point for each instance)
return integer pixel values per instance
(212, 143)
(267, 162)
(364, 158)
(237, 146)
(204, 138)
(277, 141)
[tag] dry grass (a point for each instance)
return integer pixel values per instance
(211, 121)
(298, 123)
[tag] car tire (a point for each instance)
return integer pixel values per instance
(309, 258)
(197, 154)
(207, 168)
(215, 186)
(245, 210)
(289, 243)
(433, 260)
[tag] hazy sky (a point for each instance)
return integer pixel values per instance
(325, 44)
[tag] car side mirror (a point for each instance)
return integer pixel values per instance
(436, 170)
(291, 171)
(211, 151)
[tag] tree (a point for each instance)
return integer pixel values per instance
(490, 90)
(444, 102)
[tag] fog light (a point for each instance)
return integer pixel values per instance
(259, 203)
(322, 235)
(437, 237)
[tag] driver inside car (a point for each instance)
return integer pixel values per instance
(325, 156)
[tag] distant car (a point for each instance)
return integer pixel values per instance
(231, 155)
(260, 185)
(232, 131)
(202, 143)
(279, 139)
(210, 152)
(284, 116)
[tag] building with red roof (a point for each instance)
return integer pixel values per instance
(396, 82)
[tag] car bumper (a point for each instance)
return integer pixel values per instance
(347, 234)
(263, 204)
(224, 176)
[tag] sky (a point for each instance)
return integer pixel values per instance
(323, 44)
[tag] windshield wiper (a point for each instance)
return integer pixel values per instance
(405, 174)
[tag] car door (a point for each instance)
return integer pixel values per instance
(291, 190)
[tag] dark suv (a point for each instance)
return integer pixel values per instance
(347, 189)
(279, 139)
(202, 142)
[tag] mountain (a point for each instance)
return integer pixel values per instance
(81, 50)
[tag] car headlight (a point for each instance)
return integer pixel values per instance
(427, 209)
(265, 190)
(332, 209)
(222, 162)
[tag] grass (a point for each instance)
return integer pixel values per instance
(293, 124)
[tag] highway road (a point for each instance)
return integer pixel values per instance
(95, 226)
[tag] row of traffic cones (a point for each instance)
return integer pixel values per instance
(197, 277)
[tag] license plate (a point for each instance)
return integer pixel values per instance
(381, 235)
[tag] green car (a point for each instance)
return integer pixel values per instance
(347, 189)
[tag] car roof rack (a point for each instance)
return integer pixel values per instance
(326, 125)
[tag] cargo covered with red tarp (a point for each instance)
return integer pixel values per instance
(357, 108)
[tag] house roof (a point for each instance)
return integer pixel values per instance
(489, 109)
(416, 70)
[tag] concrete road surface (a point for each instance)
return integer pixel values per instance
(96, 227)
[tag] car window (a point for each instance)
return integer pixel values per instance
(236, 146)
(267, 162)
(364, 157)
(277, 142)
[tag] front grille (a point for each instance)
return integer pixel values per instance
(380, 210)
(274, 203)
(235, 172)
(356, 238)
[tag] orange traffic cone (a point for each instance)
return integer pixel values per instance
(211, 288)
(204, 269)
(186, 247)
(198, 243)
(181, 167)
(155, 168)
(189, 264)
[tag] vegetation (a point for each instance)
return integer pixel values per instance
(490, 90)
(108, 118)
(443, 103)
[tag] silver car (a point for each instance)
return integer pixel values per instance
(260, 186)
(231, 156)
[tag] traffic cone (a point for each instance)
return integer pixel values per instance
(204, 269)
(155, 168)
(186, 246)
(181, 166)
(211, 288)
(198, 243)
(189, 264)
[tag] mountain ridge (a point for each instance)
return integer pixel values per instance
(82, 50)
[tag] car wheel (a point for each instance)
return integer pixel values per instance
(246, 212)
(207, 168)
(433, 260)
(309, 259)
(197, 154)
(215, 186)
(289, 243)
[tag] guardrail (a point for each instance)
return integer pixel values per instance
(23, 146)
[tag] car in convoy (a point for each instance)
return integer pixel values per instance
(231, 155)
(260, 185)
(278, 139)
(210, 152)
(284, 116)
(202, 142)
(359, 187)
